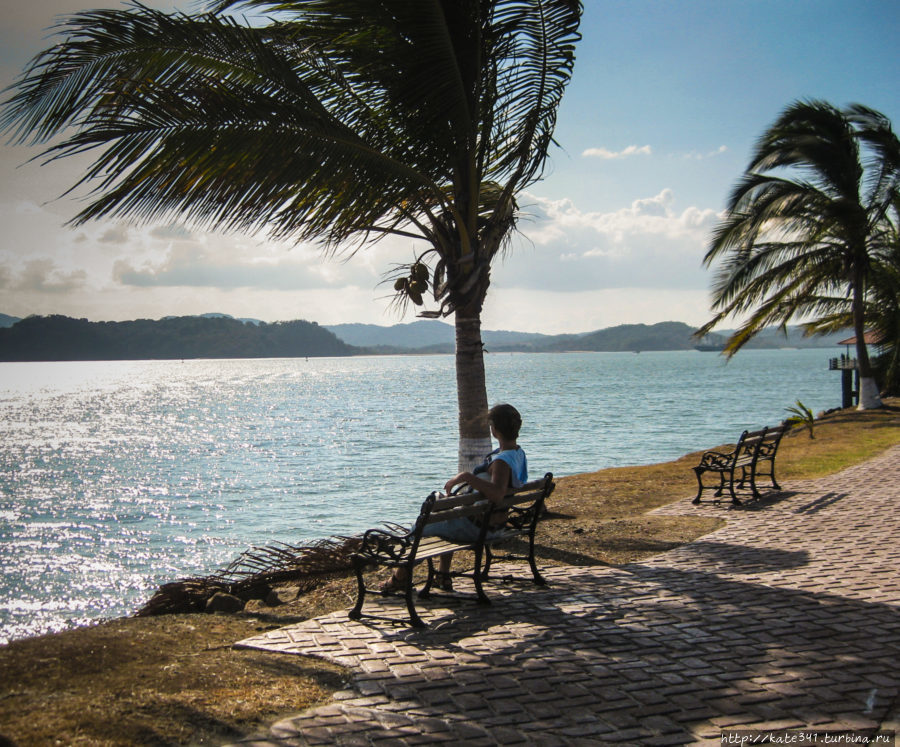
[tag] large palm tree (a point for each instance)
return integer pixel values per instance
(807, 223)
(882, 309)
(339, 121)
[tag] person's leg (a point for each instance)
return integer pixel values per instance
(395, 582)
(455, 530)
(444, 579)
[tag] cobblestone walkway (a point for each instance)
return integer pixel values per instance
(787, 617)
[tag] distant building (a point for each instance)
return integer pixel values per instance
(849, 369)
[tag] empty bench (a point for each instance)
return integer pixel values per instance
(753, 456)
(394, 546)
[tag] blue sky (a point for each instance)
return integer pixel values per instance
(665, 104)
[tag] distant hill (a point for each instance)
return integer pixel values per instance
(630, 338)
(793, 338)
(57, 338)
(426, 335)
(418, 334)
(255, 322)
(679, 336)
(429, 336)
(223, 336)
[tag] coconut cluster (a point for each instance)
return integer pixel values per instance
(415, 284)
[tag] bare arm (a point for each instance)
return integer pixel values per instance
(493, 489)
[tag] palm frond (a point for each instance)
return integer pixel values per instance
(810, 226)
(212, 121)
(250, 575)
(339, 121)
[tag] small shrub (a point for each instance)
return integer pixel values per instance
(802, 416)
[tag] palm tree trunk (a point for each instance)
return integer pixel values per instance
(471, 389)
(868, 396)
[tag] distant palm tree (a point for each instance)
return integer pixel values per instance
(807, 223)
(339, 121)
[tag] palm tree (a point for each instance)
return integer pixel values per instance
(886, 314)
(882, 312)
(807, 223)
(338, 121)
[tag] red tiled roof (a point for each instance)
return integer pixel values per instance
(871, 337)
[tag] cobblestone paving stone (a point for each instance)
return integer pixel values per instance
(787, 617)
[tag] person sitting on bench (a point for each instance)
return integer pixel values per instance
(504, 468)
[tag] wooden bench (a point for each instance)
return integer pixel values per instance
(394, 546)
(741, 465)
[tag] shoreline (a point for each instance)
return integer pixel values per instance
(179, 679)
(578, 477)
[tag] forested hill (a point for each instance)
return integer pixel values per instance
(58, 338)
(629, 338)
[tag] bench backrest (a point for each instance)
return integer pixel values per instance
(525, 505)
(745, 448)
(398, 544)
(439, 507)
(753, 446)
(529, 492)
(768, 446)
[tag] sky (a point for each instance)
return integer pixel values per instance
(666, 102)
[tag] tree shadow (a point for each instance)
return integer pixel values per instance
(829, 499)
(644, 652)
(518, 550)
(725, 557)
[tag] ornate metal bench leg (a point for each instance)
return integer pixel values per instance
(771, 475)
(488, 559)
(698, 471)
(410, 602)
(356, 612)
(538, 578)
(425, 591)
(721, 488)
(734, 498)
(476, 577)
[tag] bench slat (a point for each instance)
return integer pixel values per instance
(475, 509)
(445, 502)
(520, 498)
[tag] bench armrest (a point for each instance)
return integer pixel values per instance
(716, 460)
(391, 543)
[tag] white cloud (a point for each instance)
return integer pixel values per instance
(697, 156)
(117, 234)
(27, 207)
(649, 244)
(631, 150)
(231, 262)
(43, 276)
(556, 220)
(550, 312)
(172, 231)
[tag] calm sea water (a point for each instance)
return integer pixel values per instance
(116, 477)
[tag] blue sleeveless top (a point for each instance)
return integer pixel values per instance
(515, 458)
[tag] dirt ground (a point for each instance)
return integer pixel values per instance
(175, 679)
